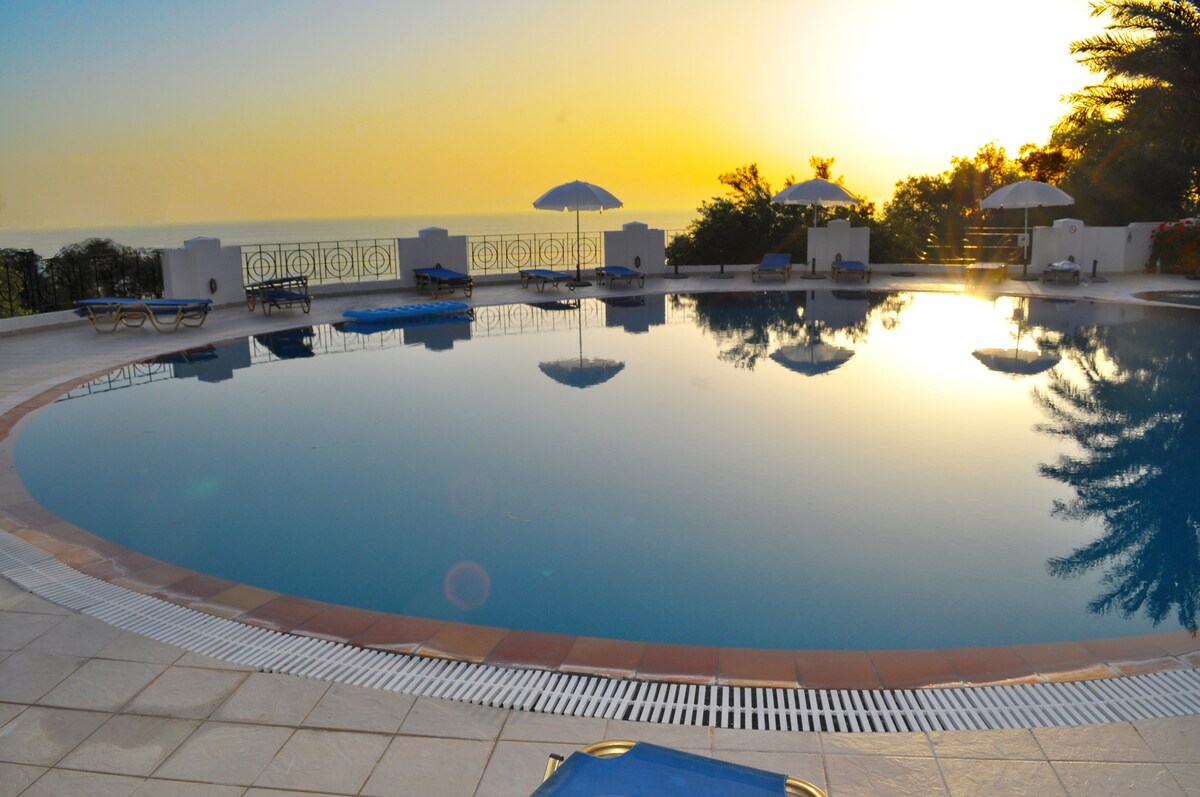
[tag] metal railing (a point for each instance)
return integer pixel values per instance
(975, 245)
(322, 261)
(29, 284)
(498, 254)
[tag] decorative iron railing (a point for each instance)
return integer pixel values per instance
(975, 245)
(322, 261)
(30, 284)
(498, 254)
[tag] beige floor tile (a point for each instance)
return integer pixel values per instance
(102, 685)
(65, 783)
(41, 736)
(1172, 739)
(10, 710)
(225, 753)
(15, 777)
(1115, 742)
(190, 659)
(516, 768)
(1187, 776)
(130, 745)
(135, 647)
(433, 717)
(975, 777)
(186, 692)
(528, 726)
(1007, 744)
(805, 766)
(180, 788)
(273, 699)
(889, 744)
(18, 629)
(428, 767)
(354, 708)
(27, 675)
(333, 761)
(1090, 779)
(857, 775)
(33, 604)
(256, 792)
(764, 741)
(682, 737)
(76, 635)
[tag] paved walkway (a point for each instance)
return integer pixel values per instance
(87, 709)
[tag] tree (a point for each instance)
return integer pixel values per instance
(1135, 424)
(932, 217)
(743, 225)
(1136, 130)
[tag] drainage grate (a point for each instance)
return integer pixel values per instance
(1160, 694)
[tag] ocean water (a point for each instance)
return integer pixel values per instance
(47, 242)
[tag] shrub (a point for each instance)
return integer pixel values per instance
(1177, 247)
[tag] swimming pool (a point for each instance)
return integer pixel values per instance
(828, 469)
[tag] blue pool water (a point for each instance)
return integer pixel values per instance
(795, 470)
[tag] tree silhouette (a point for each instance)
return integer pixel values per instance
(1134, 415)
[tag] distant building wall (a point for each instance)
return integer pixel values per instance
(1114, 250)
(203, 269)
(838, 238)
(638, 246)
(433, 246)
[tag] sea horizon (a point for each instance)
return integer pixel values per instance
(48, 241)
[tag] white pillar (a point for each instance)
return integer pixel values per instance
(203, 269)
(433, 246)
(637, 246)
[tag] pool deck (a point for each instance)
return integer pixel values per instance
(86, 708)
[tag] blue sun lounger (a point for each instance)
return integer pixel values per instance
(543, 275)
(625, 768)
(614, 273)
(279, 293)
(777, 264)
(850, 268)
(438, 278)
(165, 315)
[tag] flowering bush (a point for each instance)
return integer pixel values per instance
(1177, 246)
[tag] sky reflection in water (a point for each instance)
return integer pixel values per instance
(673, 468)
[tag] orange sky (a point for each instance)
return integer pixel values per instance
(141, 113)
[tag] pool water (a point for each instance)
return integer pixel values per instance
(830, 469)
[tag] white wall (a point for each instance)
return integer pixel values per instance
(191, 272)
(431, 247)
(636, 245)
(1114, 250)
(838, 237)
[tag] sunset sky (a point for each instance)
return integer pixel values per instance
(163, 112)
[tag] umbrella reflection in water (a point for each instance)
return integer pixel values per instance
(1016, 361)
(813, 359)
(578, 371)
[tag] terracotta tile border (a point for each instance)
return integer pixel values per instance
(817, 669)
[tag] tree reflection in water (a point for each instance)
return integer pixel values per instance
(751, 325)
(1133, 409)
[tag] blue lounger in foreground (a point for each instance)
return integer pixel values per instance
(850, 268)
(543, 275)
(438, 278)
(614, 273)
(380, 315)
(165, 315)
(777, 264)
(621, 767)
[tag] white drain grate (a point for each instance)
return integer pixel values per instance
(1160, 694)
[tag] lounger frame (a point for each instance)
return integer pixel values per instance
(279, 293)
(165, 315)
(541, 276)
(614, 273)
(777, 264)
(438, 278)
(849, 268)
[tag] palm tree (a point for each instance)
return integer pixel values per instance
(1133, 415)
(1150, 60)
